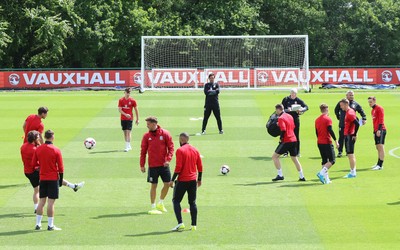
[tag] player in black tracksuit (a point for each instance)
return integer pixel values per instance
(287, 103)
(211, 90)
(340, 114)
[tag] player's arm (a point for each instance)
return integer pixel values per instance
(178, 167)
(360, 110)
(303, 105)
(199, 169)
(136, 114)
(357, 126)
(330, 130)
(285, 104)
(170, 149)
(24, 126)
(123, 113)
(217, 88)
(316, 132)
(60, 166)
(143, 151)
(206, 89)
(337, 110)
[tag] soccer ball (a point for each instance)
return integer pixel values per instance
(225, 169)
(89, 143)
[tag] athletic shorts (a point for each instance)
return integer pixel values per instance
(380, 139)
(349, 144)
(48, 189)
(327, 153)
(126, 125)
(33, 178)
(285, 147)
(155, 172)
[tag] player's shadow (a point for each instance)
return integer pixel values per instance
(105, 151)
(118, 215)
(393, 203)
(261, 158)
(314, 158)
(256, 183)
(301, 184)
(18, 232)
(358, 170)
(11, 186)
(151, 233)
(15, 215)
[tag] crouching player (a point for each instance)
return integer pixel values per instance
(323, 129)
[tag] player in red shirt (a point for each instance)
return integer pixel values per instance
(34, 122)
(351, 125)
(189, 169)
(158, 144)
(323, 129)
(125, 106)
(287, 143)
(378, 118)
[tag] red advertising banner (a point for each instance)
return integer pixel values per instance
(170, 78)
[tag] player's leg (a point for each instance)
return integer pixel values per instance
(34, 180)
(217, 113)
(179, 192)
(165, 175)
(349, 144)
(340, 141)
(297, 133)
(73, 186)
(192, 193)
(36, 197)
(43, 193)
(293, 151)
(207, 113)
(152, 178)
(281, 149)
(52, 197)
(323, 170)
(127, 128)
(379, 144)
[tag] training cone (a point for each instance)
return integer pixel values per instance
(186, 210)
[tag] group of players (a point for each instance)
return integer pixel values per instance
(157, 145)
(289, 123)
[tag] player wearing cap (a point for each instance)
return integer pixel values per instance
(351, 126)
(323, 129)
(34, 122)
(287, 143)
(211, 90)
(158, 144)
(189, 169)
(289, 102)
(125, 106)
(378, 119)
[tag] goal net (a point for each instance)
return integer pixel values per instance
(270, 62)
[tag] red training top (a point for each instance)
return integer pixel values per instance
(33, 122)
(27, 152)
(349, 126)
(286, 123)
(50, 161)
(188, 163)
(159, 145)
(127, 105)
(321, 125)
(378, 117)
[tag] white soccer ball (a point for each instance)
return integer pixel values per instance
(89, 143)
(225, 169)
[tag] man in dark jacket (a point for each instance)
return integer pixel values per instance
(211, 90)
(340, 116)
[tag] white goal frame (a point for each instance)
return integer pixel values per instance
(300, 69)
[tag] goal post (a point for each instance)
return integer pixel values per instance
(251, 62)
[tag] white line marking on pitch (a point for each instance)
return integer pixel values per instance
(393, 154)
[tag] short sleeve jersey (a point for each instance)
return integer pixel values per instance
(286, 123)
(321, 125)
(349, 126)
(378, 117)
(127, 106)
(33, 122)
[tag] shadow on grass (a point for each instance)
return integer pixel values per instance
(105, 151)
(119, 215)
(19, 232)
(302, 184)
(393, 203)
(19, 215)
(348, 170)
(261, 158)
(314, 158)
(11, 186)
(256, 183)
(152, 233)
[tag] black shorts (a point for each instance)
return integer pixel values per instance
(48, 189)
(327, 153)
(33, 178)
(380, 139)
(156, 172)
(285, 147)
(349, 144)
(126, 125)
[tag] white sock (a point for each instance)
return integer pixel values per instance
(127, 144)
(323, 171)
(39, 220)
(70, 185)
(301, 174)
(161, 201)
(35, 206)
(280, 173)
(51, 221)
(353, 171)
(153, 205)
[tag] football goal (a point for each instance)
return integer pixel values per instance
(252, 62)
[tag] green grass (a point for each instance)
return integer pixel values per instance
(243, 210)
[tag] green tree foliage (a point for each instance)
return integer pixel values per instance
(107, 33)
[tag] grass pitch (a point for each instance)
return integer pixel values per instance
(243, 210)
